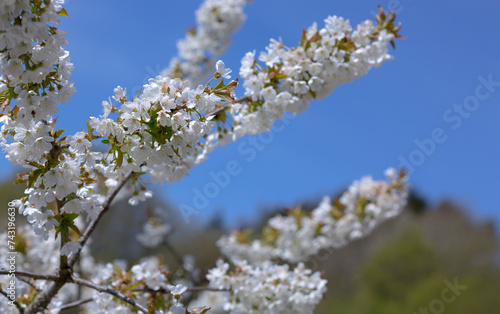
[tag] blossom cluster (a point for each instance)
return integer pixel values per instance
(159, 131)
(299, 235)
(216, 20)
(35, 72)
(153, 233)
(255, 284)
(268, 288)
(34, 78)
(167, 129)
(293, 77)
(163, 132)
(34, 75)
(42, 257)
(38, 256)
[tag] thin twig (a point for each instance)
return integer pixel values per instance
(242, 99)
(113, 292)
(75, 304)
(78, 267)
(191, 289)
(31, 275)
(19, 307)
(66, 265)
(42, 299)
(196, 289)
(27, 281)
(173, 252)
(90, 228)
(228, 105)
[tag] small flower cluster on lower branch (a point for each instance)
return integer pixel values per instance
(268, 288)
(299, 235)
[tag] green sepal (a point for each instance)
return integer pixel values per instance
(219, 84)
(119, 159)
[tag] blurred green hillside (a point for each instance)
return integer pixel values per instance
(435, 261)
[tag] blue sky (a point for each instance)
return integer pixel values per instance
(408, 109)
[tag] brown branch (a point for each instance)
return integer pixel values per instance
(90, 228)
(42, 299)
(242, 99)
(107, 290)
(28, 282)
(31, 275)
(75, 304)
(18, 306)
(78, 267)
(66, 265)
(196, 289)
(178, 258)
(180, 261)
(191, 289)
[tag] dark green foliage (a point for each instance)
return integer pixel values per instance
(395, 269)
(405, 265)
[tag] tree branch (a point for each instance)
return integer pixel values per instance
(196, 289)
(19, 307)
(107, 290)
(191, 289)
(31, 275)
(66, 265)
(42, 299)
(75, 304)
(90, 228)
(178, 258)
(27, 281)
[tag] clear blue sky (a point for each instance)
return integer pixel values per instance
(362, 128)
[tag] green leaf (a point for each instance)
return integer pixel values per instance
(205, 309)
(176, 151)
(232, 85)
(151, 309)
(20, 181)
(57, 133)
(75, 229)
(53, 125)
(119, 159)
(105, 141)
(69, 217)
(34, 176)
(63, 12)
(117, 269)
(225, 94)
(4, 98)
(303, 38)
(133, 286)
(219, 84)
(89, 128)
